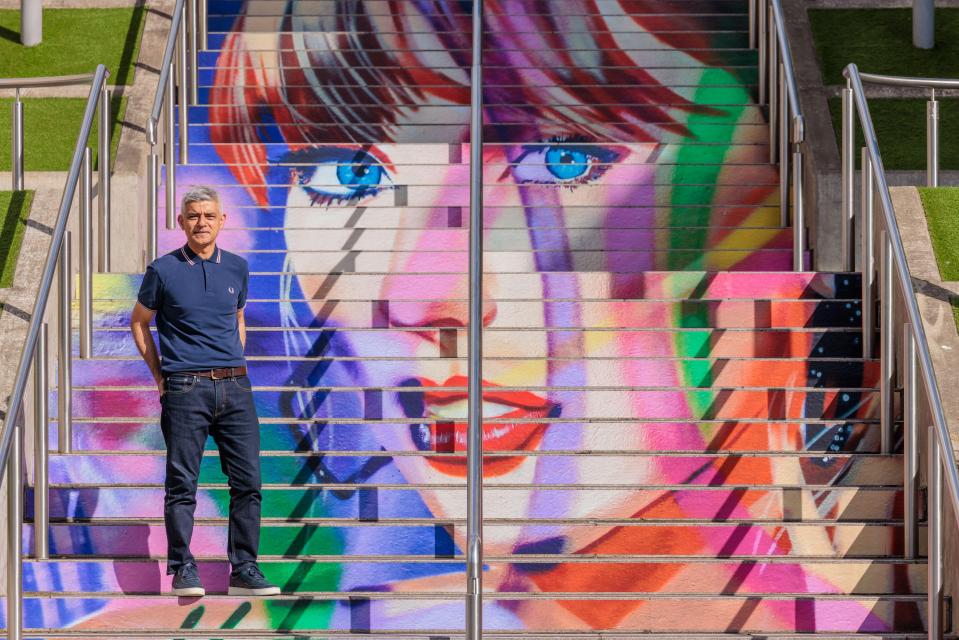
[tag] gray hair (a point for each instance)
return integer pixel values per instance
(199, 193)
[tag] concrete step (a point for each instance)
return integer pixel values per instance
(396, 504)
(598, 471)
(508, 247)
(410, 403)
(135, 540)
(570, 314)
(667, 286)
(384, 615)
(367, 437)
(280, 373)
(808, 576)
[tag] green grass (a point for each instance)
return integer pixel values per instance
(50, 129)
(942, 209)
(74, 41)
(901, 130)
(880, 41)
(14, 213)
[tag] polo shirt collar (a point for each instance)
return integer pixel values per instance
(192, 258)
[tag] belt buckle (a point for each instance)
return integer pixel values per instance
(213, 375)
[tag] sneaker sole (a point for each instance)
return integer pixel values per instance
(189, 592)
(243, 591)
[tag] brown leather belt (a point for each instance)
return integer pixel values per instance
(217, 374)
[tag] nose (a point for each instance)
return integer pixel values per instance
(432, 291)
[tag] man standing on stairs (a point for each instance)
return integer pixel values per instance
(197, 294)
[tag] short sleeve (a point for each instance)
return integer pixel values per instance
(151, 290)
(244, 286)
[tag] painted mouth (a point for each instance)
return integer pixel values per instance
(514, 428)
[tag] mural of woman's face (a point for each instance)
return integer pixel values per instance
(551, 206)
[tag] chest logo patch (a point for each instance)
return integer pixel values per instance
(231, 290)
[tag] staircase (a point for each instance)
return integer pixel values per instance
(681, 435)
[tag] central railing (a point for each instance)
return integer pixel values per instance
(895, 284)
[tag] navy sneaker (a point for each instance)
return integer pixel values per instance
(248, 580)
(186, 581)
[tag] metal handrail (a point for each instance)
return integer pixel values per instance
(787, 130)
(905, 81)
(895, 258)
(474, 459)
(10, 433)
(45, 81)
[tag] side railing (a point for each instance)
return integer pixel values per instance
(877, 224)
(34, 354)
(778, 90)
(177, 90)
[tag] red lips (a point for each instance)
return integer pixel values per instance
(506, 431)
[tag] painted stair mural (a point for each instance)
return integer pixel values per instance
(681, 434)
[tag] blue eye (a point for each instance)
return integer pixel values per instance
(566, 163)
(338, 174)
(359, 175)
(569, 164)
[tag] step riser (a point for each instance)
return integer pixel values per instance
(383, 373)
(595, 471)
(720, 578)
(675, 437)
(597, 404)
(437, 541)
(630, 314)
(717, 504)
(451, 253)
(443, 617)
(587, 285)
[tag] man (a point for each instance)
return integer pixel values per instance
(197, 294)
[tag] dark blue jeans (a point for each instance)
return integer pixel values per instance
(192, 408)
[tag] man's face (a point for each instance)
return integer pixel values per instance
(202, 221)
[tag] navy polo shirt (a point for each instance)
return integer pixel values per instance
(196, 301)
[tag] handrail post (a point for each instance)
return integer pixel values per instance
(868, 257)
(17, 133)
(103, 165)
(934, 622)
(15, 531)
(169, 157)
(153, 178)
(474, 458)
(847, 231)
(783, 151)
(910, 447)
(182, 82)
(65, 349)
(887, 356)
(932, 141)
(752, 24)
(799, 216)
(41, 515)
(763, 52)
(86, 258)
(193, 23)
(773, 84)
(204, 27)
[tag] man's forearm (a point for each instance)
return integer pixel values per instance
(147, 348)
